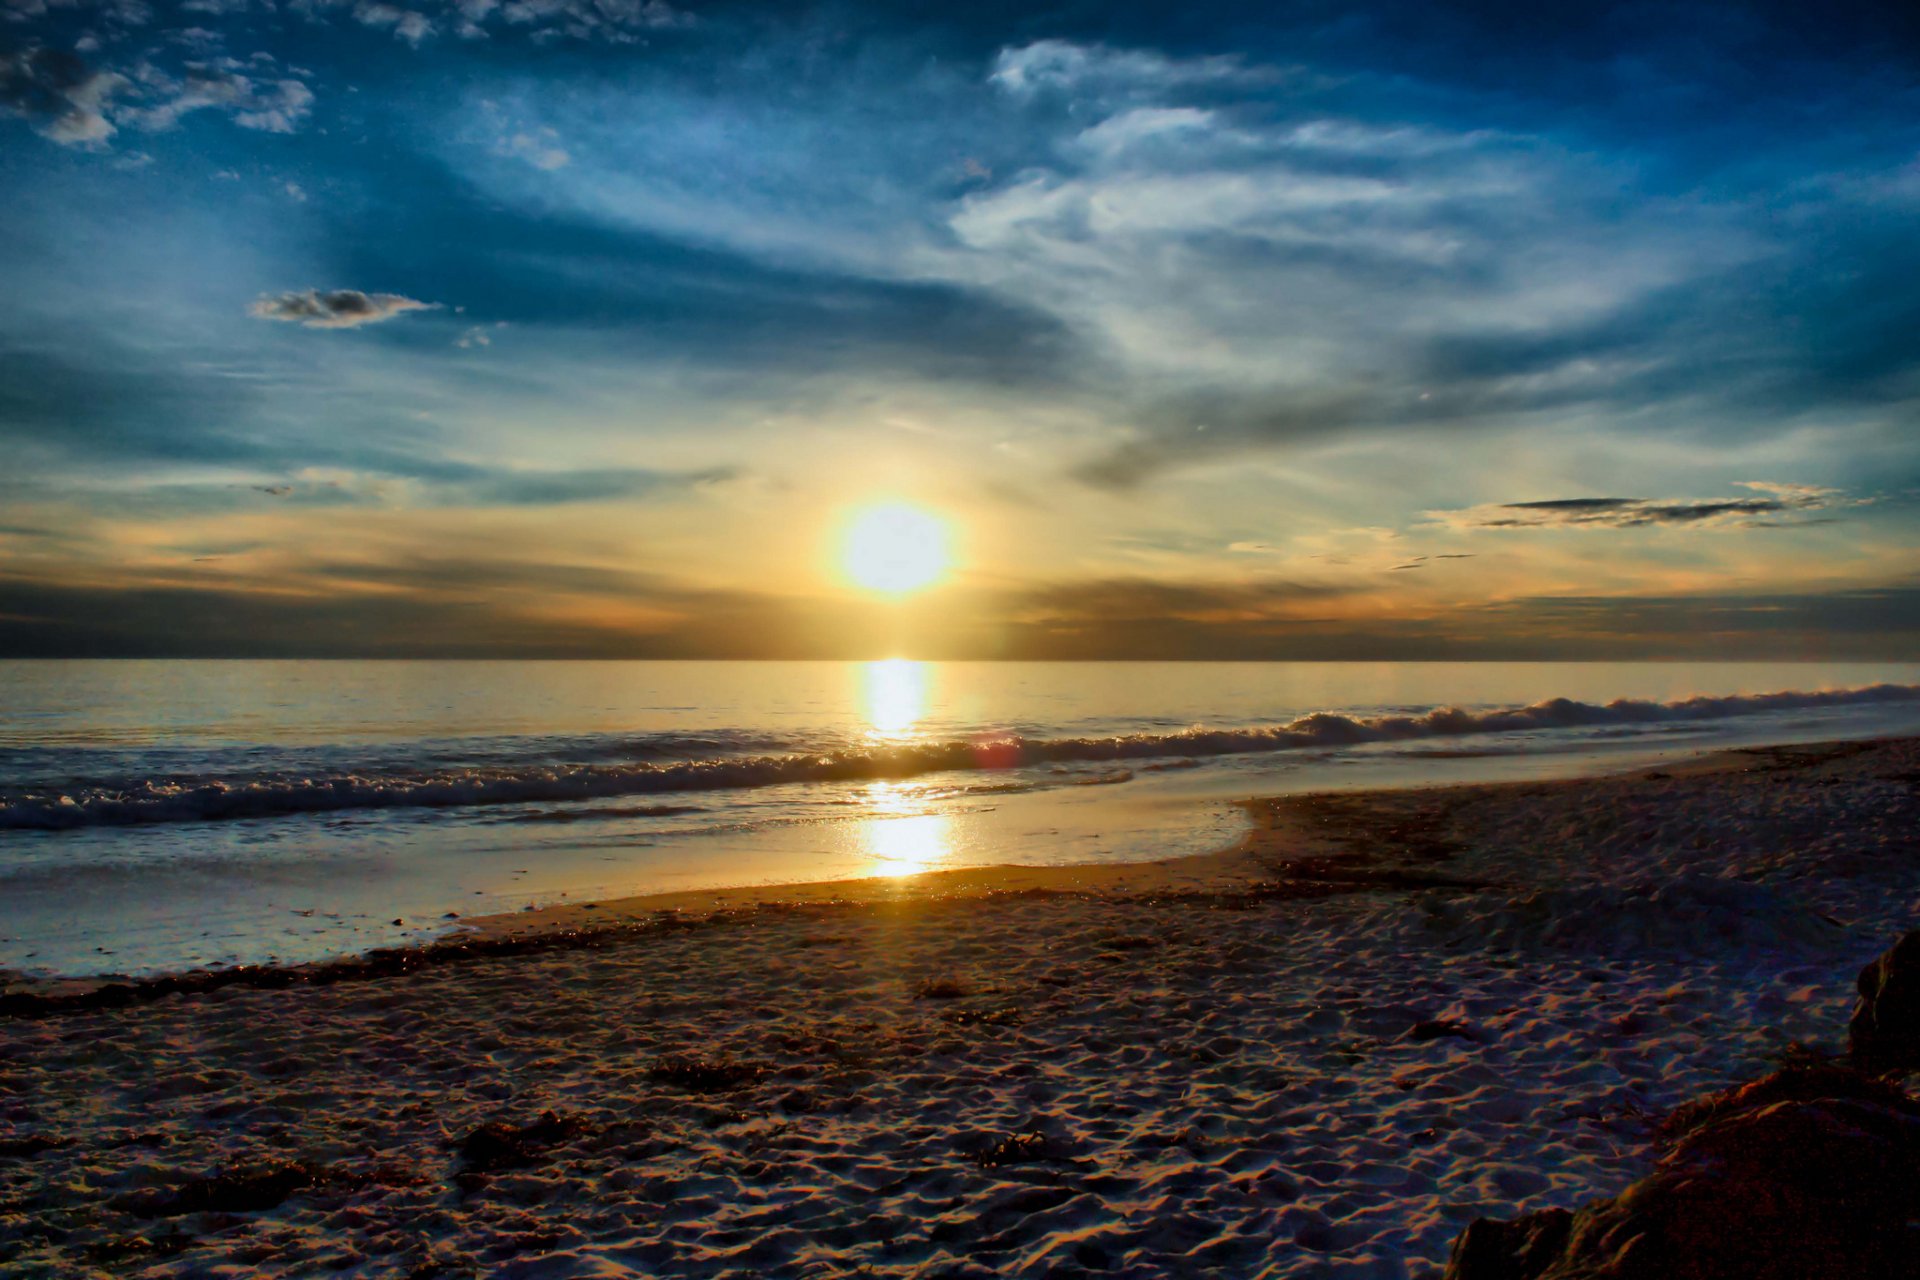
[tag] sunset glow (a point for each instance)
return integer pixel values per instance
(771, 332)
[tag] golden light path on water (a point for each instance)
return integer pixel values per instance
(895, 696)
(903, 839)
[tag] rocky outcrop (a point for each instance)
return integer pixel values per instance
(1808, 1174)
(1885, 1029)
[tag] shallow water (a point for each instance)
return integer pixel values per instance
(167, 814)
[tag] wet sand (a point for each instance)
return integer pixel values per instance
(1319, 1053)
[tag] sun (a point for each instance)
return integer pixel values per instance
(894, 548)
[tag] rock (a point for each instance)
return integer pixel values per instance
(1885, 1028)
(1808, 1174)
(1519, 1250)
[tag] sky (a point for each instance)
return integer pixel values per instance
(583, 328)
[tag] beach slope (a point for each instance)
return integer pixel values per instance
(1321, 1053)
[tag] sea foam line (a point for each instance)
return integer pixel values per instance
(204, 799)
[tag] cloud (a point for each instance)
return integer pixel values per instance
(467, 485)
(407, 24)
(538, 147)
(1063, 66)
(1788, 500)
(279, 106)
(600, 484)
(606, 21)
(1264, 255)
(615, 21)
(335, 308)
(77, 105)
(65, 98)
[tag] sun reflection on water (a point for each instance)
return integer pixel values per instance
(903, 839)
(895, 695)
(908, 846)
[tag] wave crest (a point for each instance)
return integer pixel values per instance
(150, 800)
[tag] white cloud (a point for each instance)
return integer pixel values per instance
(1211, 222)
(407, 24)
(1063, 66)
(1129, 129)
(277, 106)
(538, 147)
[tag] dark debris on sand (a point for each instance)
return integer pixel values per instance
(498, 1144)
(241, 1186)
(1029, 1146)
(704, 1075)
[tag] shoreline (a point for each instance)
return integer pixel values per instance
(1294, 825)
(1295, 846)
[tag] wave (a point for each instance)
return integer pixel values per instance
(204, 799)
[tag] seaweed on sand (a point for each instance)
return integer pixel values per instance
(240, 1186)
(498, 1145)
(704, 1075)
(1029, 1146)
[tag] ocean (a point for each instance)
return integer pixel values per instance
(159, 815)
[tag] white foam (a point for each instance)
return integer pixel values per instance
(202, 798)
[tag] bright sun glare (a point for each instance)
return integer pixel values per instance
(894, 548)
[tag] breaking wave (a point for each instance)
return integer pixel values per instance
(204, 798)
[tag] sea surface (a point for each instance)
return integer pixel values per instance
(161, 815)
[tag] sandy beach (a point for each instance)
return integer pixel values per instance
(1321, 1053)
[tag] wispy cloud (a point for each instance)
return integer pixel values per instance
(1780, 504)
(477, 486)
(1064, 66)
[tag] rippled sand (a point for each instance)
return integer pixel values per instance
(931, 1079)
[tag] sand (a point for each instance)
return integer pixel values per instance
(1321, 1053)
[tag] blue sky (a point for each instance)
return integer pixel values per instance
(578, 326)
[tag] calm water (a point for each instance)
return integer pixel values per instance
(168, 814)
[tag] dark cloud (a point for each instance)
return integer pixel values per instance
(52, 620)
(552, 488)
(428, 606)
(335, 308)
(1863, 623)
(1639, 513)
(1576, 506)
(64, 97)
